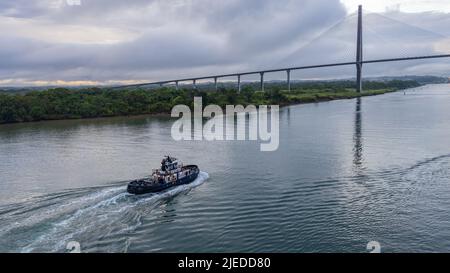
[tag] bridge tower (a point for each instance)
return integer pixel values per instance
(359, 51)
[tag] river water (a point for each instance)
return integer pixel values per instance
(346, 172)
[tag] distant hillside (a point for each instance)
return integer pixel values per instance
(255, 84)
(419, 79)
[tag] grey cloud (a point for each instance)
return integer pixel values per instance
(23, 8)
(191, 38)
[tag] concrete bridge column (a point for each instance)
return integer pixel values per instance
(262, 80)
(239, 83)
(288, 72)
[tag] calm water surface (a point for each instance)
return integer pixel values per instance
(346, 172)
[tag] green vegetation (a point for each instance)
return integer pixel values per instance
(61, 103)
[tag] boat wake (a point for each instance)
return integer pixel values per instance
(92, 217)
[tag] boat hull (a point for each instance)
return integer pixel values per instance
(143, 186)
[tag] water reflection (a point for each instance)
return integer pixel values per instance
(357, 137)
(288, 115)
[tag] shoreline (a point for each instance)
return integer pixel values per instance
(317, 99)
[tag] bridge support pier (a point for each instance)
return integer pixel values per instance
(359, 78)
(288, 72)
(262, 80)
(176, 85)
(194, 83)
(215, 83)
(239, 83)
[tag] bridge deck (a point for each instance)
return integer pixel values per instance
(288, 69)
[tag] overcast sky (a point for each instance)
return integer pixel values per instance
(77, 42)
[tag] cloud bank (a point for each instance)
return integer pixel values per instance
(115, 41)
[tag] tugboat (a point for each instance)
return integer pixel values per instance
(172, 173)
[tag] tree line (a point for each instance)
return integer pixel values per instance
(63, 103)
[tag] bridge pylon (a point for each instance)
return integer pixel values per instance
(359, 52)
(359, 63)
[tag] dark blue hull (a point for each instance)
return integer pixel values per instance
(143, 186)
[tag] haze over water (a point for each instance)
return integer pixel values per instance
(346, 172)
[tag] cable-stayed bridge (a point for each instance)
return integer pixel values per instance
(358, 62)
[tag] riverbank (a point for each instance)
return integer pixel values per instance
(302, 97)
(62, 104)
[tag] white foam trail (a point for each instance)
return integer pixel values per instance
(42, 215)
(101, 216)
